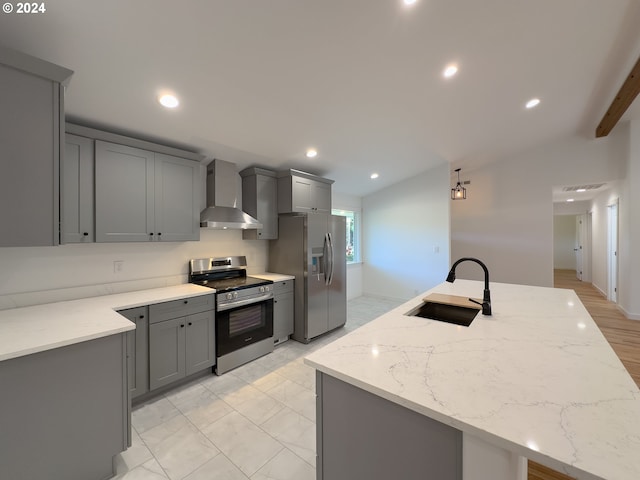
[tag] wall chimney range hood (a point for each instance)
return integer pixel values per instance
(224, 201)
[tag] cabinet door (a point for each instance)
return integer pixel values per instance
(200, 342)
(177, 203)
(267, 206)
(302, 197)
(321, 197)
(124, 193)
(77, 191)
(137, 350)
(166, 352)
(30, 137)
(283, 315)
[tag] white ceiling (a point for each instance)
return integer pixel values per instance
(360, 80)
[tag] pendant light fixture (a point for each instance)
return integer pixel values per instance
(458, 192)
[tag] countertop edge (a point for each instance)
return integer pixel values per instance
(45, 322)
(455, 423)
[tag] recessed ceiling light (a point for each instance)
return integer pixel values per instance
(409, 2)
(534, 102)
(581, 190)
(169, 101)
(450, 71)
(374, 176)
(569, 199)
(312, 153)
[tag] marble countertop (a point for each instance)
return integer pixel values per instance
(28, 330)
(274, 277)
(537, 378)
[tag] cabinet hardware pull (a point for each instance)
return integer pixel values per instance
(159, 233)
(190, 323)
(182, 326)
(151, 234)
(86, 234)
(186, 301)
(141, 316)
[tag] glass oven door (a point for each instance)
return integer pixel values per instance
(243, 325)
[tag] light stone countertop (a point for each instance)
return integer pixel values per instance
(274, 277)
(28, 330)
(537, 378)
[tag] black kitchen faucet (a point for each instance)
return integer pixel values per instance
(486, 297)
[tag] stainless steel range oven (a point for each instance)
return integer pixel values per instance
(244, 310)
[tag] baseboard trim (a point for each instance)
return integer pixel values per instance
(600, 291)
(630, 316)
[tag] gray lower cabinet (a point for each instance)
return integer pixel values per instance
(362, 435)
(181, 341)
(143, 196)
(166, 352)
(77, 224)
(138, 350)
(64, 412)
(283, 310)
(31, 141)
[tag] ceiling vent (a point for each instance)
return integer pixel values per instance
(575, 188)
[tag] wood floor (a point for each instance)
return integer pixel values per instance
(623, 336)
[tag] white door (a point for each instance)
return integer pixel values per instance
(580, 224)
(612, 252)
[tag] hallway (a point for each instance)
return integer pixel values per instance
(623, 334)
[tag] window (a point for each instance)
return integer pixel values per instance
(353, 233)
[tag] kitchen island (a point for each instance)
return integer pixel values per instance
(535, 380)
(64, 401)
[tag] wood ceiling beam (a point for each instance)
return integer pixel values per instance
(624, 98)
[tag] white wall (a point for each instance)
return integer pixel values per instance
(629, 233)
(31, 269)
(564, 239)
(507, 220)
(344, 201)
(402, 225)
(599, 237)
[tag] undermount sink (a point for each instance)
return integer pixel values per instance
(442, 312)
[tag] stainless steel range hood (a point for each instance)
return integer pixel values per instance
(224, 200)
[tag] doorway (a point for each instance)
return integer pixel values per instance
(582, 248)
(577, 247)
(612, 251)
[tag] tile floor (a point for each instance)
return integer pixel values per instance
(256, 422)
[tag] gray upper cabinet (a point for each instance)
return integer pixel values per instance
(260, 200)
(177, 205)
(125, 207)
(303, 192)
(31, 141)
(77, 193)
(144, 196)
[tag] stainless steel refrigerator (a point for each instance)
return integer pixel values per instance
(312, 247)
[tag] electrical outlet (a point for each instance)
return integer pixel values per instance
(118, 266)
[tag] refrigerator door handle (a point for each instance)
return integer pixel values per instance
(330, 259)
(325, 256)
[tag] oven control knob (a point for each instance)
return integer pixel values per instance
(235, 294)
(261, 289)
(229, 296)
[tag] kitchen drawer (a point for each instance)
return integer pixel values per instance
(159, 312)
(282, 287)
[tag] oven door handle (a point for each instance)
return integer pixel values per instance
(248, 301)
